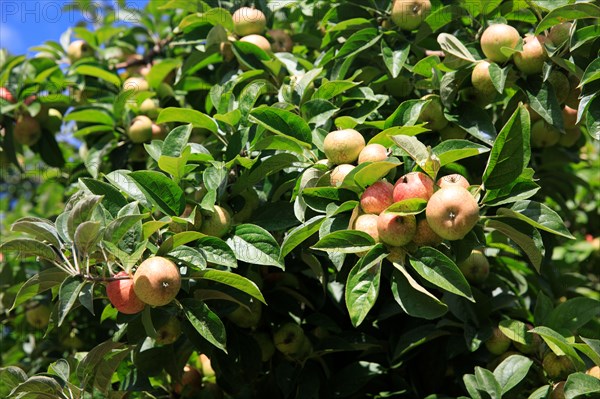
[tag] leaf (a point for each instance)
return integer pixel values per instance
(283, 123)
(82, 212)
(41, 229)
(176, 240)
(441, 271)
(217, 251)
(517, 331)
(345, 241)
(299, 234)
(573, 314)
(87, 236)
(362, 285)
(90, 70)
(406, 114)
(255, 245)
(92, 360)
(11, 377)
(175, 166)
(205, 321)
(117, 228)
(234, 280)
(449, 151)
(413, 147)
(176, 141)
(581, 385)
(161, 191)
(331, 89)
(410, 206)
(29, 247)
(487, 382)
(112, 199)
(510, 153)
(567, 13)
(160, 70)
(368, 173)
(452, 45)
(537, 215)
(42, 387)
(512, 371)
(90, 116)
(67, 295)
(559, 345)
(531, 245)
(476, 121)
(394, 59)
(542, 99)
(318, 111)
(358, 42)
(38, 283)
(196, 118)
(415, 300)
(262, 169)
(190, 256)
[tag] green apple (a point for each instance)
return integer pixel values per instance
(260, 41)
(339, 173)
(425, 236)
(433, 113)
(281, 41)
(247, 318)
(79, 49)
(531, 60)
(267, 348)
(289, 339)
(497, 36)
(498, 343)
(544, 134)
(560, 33)
(248, 21)
(343, 146)
(372, 153)
(38, 316)
(136, 84)
(169, 332)
(367, 223)
(409, 14)
(27, 130)
(452, 132)
(561, 85)
(216, 223)
(557, 367)
(476, 268)
(140, 130)
(149, 108)
(481, 79)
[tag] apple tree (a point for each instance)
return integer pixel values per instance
(309, 199)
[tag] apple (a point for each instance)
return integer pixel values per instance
(533, 116)
(452, 212)
(140, 129)
(497, 36)
(136, 84)
(339, 173)
(425, 236)
(544, 134)
(397, 254)
(259, 41)
(248, 21)
(453, 179)
(159, 132)
(206, 366)
(372, 153)
(594, 372)
(558, 390)
(570, 138)
(343, 146)
(476, 268)
(138, 153)
(560, 33)
(190, 384)
(79, 49)
(533, 344)
(265, 343)
(561, 85)
(27, 130)
(396, 230)
(189, 226)
(433, 113)
(531, 60)
(377, 197)
(149, 108)
(367, 223)
(481, 79)
(289, 339)
(38, 316)
(250, 204)
(121, 295)
(157, 281)
(557, 367)
(409, 14)
(569, 117)
(281, 41)
(169, 332)
(498, 343)
(413, 185)
(216, 223)
(225, 48)
(452, 132)
(6, 95)
(242, 317)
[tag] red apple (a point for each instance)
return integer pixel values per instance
(396, 230)
(157, 281)
(372, 153)
(367, 223)
(413, 185)
(122, 296)
(377, 197)
(425, 236)
(6, 95)
(452, 212)
(453, 179)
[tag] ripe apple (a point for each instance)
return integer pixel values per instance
(557, 367)
(594, 372)
(242, 317)
(157, 281)
(424, 236)
(38, 316)
(531, 60)
(159, 132)
(453, 179)
(413, 185)
(367, 223)
(498, 343)
(248, 21)
(533, 344)
(343, 146)
(27, 130)
(372, 153)
(396, 230)
(339, 173)
(168, 332)
(281, 41)
(561, 85)
(558, 390)
(433, 113)
(267, 348)
(259, 41)
(544, 134)
(217, 223)
(140, 129)
(409, 14)
(289, 339)
(122, 296)
(481, 79)
(452, 212)
(560, 33)
(136, 84)
(149, 108)
(452, 131)
(497, 36)
(6, 95)
(79, 49)
(377, 197)
(476, 268)
(190, 384)
(569, 117)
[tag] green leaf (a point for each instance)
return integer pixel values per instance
(573, 314)
(117, 228)
(206, 322)
(67, 295)
(38, 283)
(415, 300)
(190, 256)
(283, 123)
(233, 280)
(362, 285)
(537, 215)
(94, 358)
(217, 251)
(87, 235)
(517, 331)
(476, 121)
(11, 377)
(410, 206)
(112, 199)
(358, 42)
(29, 247)
(529, 240)
(452, 45)
(568, 13)
(318, 111)
(161, 191)
(498, 76)
(487, 382)
(542, 99)
(441, 271)
(212, 16)
(590, 347)
(331, 89)
(511, 152)
(385, 137)
(262, 169)
(299, 234)
(394, 59)
(421, 154)
(176, 141)
(90, 70)
(581, 385)
(176, 165)
(160, 70)
(90, 116)
(449, 151)
(42, 387)
(196, 118)
(255, 245)
(559, 345)
(41, 229)
(177, 240)
(345, 241)
(368, 173)
(82, 212)
(512, 371)
(406, 114)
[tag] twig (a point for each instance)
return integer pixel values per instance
(148, 57)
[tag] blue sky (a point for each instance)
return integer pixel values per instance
(27, 23)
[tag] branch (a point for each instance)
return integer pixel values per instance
(89, 277)
(148, 57)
